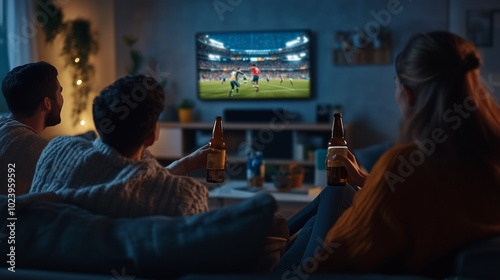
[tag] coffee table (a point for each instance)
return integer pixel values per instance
(289, 202)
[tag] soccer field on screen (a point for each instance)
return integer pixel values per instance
(272, 89)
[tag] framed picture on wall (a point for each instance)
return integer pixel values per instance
(359, 48)
(479, 27)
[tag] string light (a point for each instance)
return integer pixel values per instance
(82, 122)
(77, 60)
(79, 82)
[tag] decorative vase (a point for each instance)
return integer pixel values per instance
(257, 181)
(185, 115)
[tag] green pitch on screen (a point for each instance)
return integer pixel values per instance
(272, 89)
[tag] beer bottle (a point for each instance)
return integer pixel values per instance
(335, 170)
(216, 163)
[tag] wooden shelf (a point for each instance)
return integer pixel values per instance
(280, 143)
(250, 126)
(274, 161)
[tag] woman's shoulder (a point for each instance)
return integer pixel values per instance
(397, 164)
(401, 148)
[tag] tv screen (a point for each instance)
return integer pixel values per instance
(272, 65)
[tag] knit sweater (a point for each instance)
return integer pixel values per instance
(415, 207)
(94, 176)
(20, 146)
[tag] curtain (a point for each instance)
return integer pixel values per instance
(4, 63)
(21, 32)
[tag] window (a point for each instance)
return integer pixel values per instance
(4, 60)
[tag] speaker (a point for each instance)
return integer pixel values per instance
(323, 113)
(251, 115)
(273, 144)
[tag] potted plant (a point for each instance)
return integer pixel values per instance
(296, 175)
(289, 177)
(185, 110)
(135, 56)
(281, 178)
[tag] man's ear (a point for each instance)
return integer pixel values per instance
(46, 103)
(409, 95)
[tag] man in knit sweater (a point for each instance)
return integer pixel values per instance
(114, 175)
(33, 95)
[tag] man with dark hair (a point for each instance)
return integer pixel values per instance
(33, 95)
(126, 114)
(115, 175)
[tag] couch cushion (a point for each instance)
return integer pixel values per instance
(51, 235)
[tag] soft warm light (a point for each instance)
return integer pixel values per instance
(79, 82)
(82, 122)
(77, 60)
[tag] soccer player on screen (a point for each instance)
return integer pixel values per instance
(281, 79)
(267, 78)
(255, 79)
(234, 81)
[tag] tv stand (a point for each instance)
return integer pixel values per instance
(280, 143)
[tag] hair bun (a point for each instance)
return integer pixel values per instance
(471, 62)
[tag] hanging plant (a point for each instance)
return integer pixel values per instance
(54, 23)
(78, 44)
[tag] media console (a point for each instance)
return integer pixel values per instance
(280, 142)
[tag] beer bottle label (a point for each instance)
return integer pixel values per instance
(216, 161)
(334, 150)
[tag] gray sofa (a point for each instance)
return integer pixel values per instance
(54, 240)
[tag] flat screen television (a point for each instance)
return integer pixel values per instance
(282, 57)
